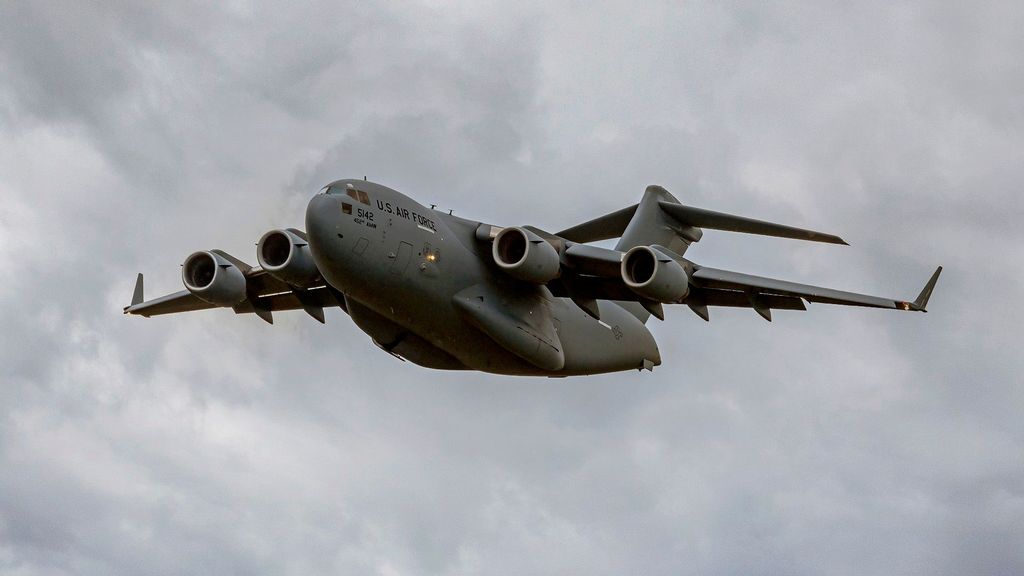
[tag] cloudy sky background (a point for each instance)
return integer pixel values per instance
(836, 441)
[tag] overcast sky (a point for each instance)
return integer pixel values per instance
(835, 441)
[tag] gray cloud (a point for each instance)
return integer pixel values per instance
(832, 441)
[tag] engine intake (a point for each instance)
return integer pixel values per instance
(213, 278)
(526, 256)
(285, 255)
(654, 275)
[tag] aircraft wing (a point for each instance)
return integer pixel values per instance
(183, 301)
(592, 273)
(266, 295)
(756, 287)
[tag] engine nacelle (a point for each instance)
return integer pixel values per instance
(526, 256)
(213, 278)
(654, 275)
(285, 255)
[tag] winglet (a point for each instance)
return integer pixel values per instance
(137, 297)
(926, 293)
(922, 298)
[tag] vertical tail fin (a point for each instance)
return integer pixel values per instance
(650, 225)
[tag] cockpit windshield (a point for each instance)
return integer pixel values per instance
(351, 192)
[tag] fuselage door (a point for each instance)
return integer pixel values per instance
(401, 258)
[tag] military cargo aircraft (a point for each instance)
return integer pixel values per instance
(454, 294)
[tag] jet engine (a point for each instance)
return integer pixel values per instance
(285, 255)
(654, 275)
(213, 278)
(526, 256)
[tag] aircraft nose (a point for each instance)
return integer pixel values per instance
(319, 212)
(322, 223)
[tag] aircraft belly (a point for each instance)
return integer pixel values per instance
(441, 326)
(619, 341)
(399, 341)
(580, 344)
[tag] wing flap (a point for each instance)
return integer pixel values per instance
(737, 299)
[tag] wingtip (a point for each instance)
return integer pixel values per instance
(921, 303)
(828, 238)
(138, 296)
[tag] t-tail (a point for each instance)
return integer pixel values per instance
(659, 219)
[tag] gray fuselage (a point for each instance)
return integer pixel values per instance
(409, 274)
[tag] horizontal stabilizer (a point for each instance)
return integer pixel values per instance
(700, 218)
(602, 228)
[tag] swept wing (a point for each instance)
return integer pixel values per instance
(592, 273)
(266, 294)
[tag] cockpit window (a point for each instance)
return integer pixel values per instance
(358, 196)
(349, 190)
